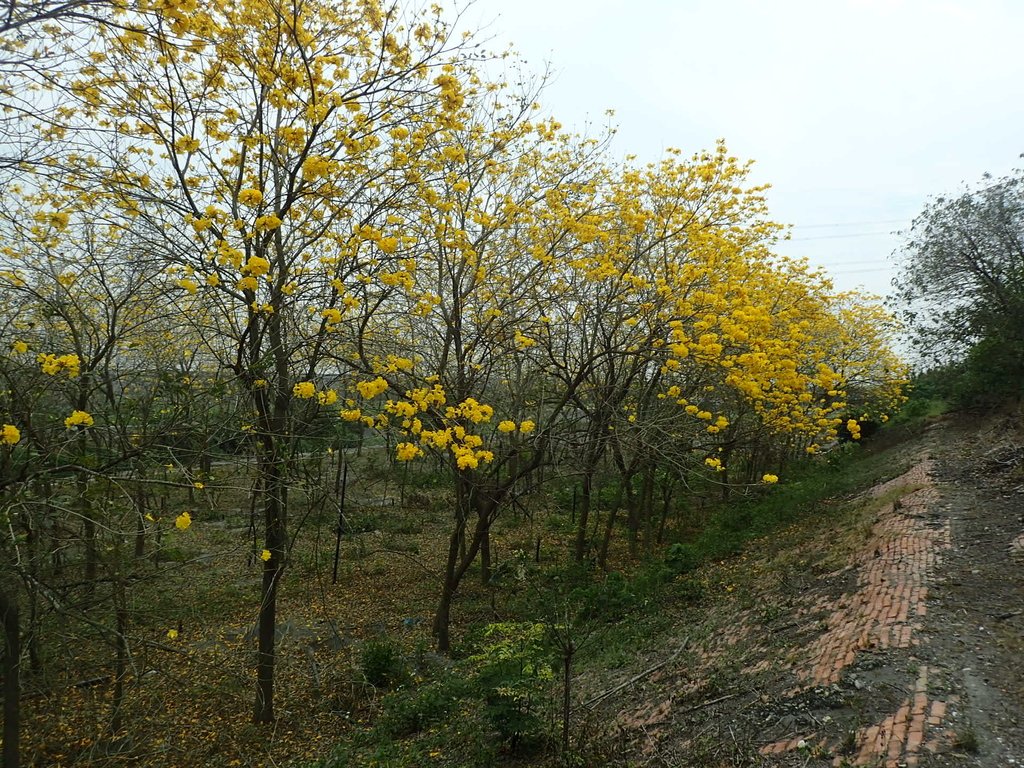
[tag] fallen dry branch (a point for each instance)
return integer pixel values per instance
(636, 678)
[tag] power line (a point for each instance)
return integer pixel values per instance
(851, 224)
(860, 271)
(838, 237)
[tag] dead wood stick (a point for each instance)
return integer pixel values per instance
(709, 703)
(636, 678)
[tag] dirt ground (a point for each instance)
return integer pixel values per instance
(893, 636)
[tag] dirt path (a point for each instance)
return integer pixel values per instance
(976, 622)
(911, 653)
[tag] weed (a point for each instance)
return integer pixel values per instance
(967, 741)
(382, 664)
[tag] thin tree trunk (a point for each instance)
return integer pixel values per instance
(275, 506)
(121, 664)
(586, 497)
(88, 531)
(485, 555)
(602, 555)
(442, 616)
(647, 509)
(140, 522)
(567, 653)
(12, 684)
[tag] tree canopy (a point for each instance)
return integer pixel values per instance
(962, 279)
(255, 229)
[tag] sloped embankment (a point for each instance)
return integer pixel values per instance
(841, 646)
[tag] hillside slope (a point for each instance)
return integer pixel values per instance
(889, 632)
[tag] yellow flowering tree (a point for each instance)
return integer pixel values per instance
(452, 336)
(263, 148)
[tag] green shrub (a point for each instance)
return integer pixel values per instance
(514, 680)
(382, 664)
(409, 712)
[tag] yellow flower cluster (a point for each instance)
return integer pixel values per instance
(370, 389)
(408, 451)
(266, 223)
(78, 419)
(304, 390)
(257, 266)
(250, 197)
(10, 435)
(316, 167)
(769, 478)
(472, 410)
(424, 398)
(54, 364)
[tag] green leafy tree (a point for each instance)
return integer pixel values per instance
(962, 281)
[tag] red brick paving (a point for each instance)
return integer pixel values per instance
(894, 572)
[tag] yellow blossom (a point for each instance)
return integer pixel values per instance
(265, 555)
(407, 451)
(251, 197)
(507, 426)
(78, 419)
(370, 389)
(526, 427)
(53, 364)
(266, 223)
(20, 347)
(256, 266)
(304, 390)
(183, 521)
(172, 634)
(10, 435)
(769, 478)
(186, 144)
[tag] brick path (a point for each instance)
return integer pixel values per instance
(894, 573)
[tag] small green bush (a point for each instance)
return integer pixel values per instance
(382, 664)
(409, 712)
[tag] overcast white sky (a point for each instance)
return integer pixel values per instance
(855, 111)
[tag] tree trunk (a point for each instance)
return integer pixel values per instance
(442, 617)
(275, 507)
(121, 664)
(647, 509)
(586, 497)
(602, 555)
(666, 507)
(485, 554)
(88, 531)
(567, 653)
(140, 522)
(12, 685)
